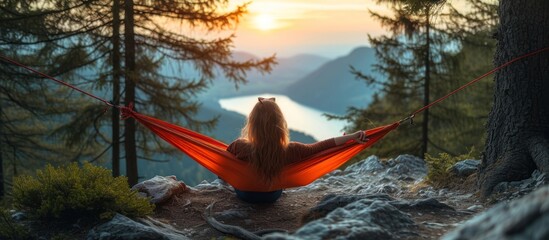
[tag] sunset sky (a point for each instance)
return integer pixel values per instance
(329, 28)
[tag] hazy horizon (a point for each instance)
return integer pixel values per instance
(327, 28)
(336, 53)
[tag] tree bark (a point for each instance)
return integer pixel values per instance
(426, 98)
(518, 125)
(129, 98)
(116, 88)
(1, 162)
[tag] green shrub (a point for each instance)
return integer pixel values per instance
(73, 192)
(439, 174)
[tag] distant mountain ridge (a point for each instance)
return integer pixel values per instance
(314, 81)
(332, 87)
(286, 72)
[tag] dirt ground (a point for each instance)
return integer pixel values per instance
(185, 212)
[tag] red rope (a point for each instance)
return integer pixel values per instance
(57, 80)
(477, 79)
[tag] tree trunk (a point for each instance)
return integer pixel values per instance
(518, 126)
(1, 164)
(1, 176)
(116, 88)
(426, 100)
(130, 77)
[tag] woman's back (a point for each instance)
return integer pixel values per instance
(295, 151)
(265, 145)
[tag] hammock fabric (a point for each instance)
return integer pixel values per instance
(212, 154)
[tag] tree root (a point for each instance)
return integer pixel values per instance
(512, 166)
(233, 230)
(538, 147)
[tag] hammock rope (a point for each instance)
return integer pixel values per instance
(212, 153)
(58, 81)
(536, 52)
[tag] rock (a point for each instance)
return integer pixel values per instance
(539, 178)
(427, 192)
(435, 225)
(465, 168)
(216, 185)
(475, 208)
(512, 190)
(362, 219)
(388, 188)
(18, 216)
(332, 202)
(160, 189)
(121, 227)
(371, 176)
(368, 165)
(524, 218)
(406, 164)
(427, 204)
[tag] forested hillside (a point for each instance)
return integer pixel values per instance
(333, 88)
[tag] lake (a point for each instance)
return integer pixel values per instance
(299, 117)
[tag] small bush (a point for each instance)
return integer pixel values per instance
(73, 192)
(439, 174)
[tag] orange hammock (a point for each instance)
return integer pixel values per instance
(212, 154)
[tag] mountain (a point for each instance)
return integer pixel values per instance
(286, 72)
(332, 87)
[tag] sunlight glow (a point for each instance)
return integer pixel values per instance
(265, 22)
(328, 28)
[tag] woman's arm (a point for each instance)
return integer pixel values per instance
(359, 136)
(298, 151)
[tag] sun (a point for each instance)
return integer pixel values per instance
(265, 22)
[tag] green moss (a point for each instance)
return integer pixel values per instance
(439, 174)
(72, 192)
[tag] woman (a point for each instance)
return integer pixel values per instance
(265, 144)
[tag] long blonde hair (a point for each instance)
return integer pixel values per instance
(267, 132)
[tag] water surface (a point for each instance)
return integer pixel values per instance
(299, 117)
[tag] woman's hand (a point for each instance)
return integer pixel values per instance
(359, 137)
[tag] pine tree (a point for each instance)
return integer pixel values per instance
(31, 106)
(458, 122)
(461, 46)
(88, 29)
(169, 95)
(408, 59)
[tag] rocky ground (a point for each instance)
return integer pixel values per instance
(372, 199)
